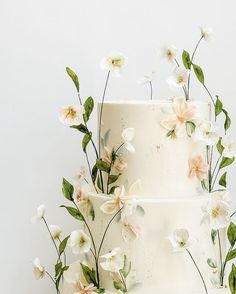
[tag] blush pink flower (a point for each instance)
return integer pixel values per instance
(197, 168)
(182, 112)
(81, 289)
(120, 165)
(107, 155)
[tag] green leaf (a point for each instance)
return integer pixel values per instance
(232, 280)
(171, 134)
(126, 267)
(74, 77)
(213, 236)
(100, 291)
(89, 274)
(211, 263)
(119, 286)
(231, 255)
(204, 184)
(88, 108)
(199, 73)
(227, 123)
(190, 128)
(103, 165)
(186, 59)
(99, 183)
(67, 189)
(218, 106)
(82, 128)
(91, 211)
(62, 245)
(223, 180)
(58, 268)
(113, 178)
(112, 190)
(231, 233)
(74, 212)
(94, 173)
(219, 146)
(226, 161)
(86, 140)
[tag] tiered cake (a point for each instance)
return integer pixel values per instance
(170, 199)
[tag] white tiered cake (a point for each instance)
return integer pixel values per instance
(170, 199)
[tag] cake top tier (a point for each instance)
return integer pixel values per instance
(167, 155)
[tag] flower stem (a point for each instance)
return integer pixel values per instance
(192, 57)
(101, 113)
(203, 281)
(123, 281)
(222, 272)
(151, 90)
(220, 251)
(54, 243)
(105, 232)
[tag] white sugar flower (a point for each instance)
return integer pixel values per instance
(128, 136)
(127, 201)
(229, 147)
(207, 33)
(180, 240)
(169, 53)
(71, 115)
(79, 242)
(206, 131)
(114, 63)
(217, 213)
(182, 112)
(179, 78)
(55, 231)
(113, 260)
(40, 213)
(222, 195)
(130, 231)
(38, 269)
(148, 78)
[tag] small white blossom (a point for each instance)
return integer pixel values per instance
(40, 213)
(55, 231)
(206, 131)
(169, 53)
(146, 79)
(114, 260)
(114, 63)
(79, 242)
(229, 147)
(79, 178)
(180, 240)
(71, 115)
(179, 78)
(217, 213)
(128, 136)
(38, 269)
(207, 33)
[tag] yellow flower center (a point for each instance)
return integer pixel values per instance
(180, 79)
(81, 241)
(181, 119)
(71, 112)
(117, 62)
(215, 212)
(182, 244)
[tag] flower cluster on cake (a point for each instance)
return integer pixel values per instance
(158, 186)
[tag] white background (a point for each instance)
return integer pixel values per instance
(38, 40)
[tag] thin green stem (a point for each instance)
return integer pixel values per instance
(220, 251)
(192, 58)
(53, 241)
(93, 243)
(105, 232)
(101, 113)
(222, 273)
(203, 281)
(209, 93)
(151, 90)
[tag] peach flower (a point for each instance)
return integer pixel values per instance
(198, 168)
(120, 165)
(81, 289)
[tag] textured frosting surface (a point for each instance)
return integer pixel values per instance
(159, 162)
(155, 268)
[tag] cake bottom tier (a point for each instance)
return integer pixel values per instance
(155, 268)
